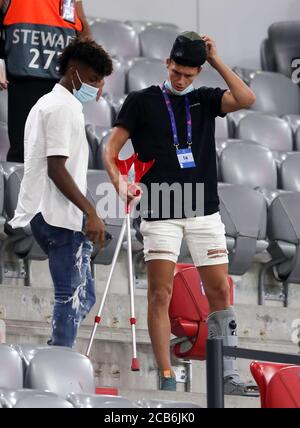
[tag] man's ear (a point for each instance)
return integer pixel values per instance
(168, 62)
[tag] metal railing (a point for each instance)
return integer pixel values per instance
(214, 366)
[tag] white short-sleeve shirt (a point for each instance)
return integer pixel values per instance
(55, 127)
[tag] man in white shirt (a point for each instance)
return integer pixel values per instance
(52, 196)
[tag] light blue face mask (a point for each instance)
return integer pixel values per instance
(86, 93)
(186, 91)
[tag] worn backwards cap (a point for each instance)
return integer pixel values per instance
(189, 50)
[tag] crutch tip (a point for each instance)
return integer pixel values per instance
(135, 367)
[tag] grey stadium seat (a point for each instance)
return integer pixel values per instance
(140, 26)
(293, 120)
(275, 94)
(234, 119)
(60, 371)
(115, 83)
(248, 164)
(119, 39)
(284, 40)
(114, 88)
(210, 78)
(244, 214)
(284, 236)
(290, 173)
(94, 135)
(267, 59)
(86, 401)
(4, 141)
(269, 131)
(221, 131)
(157, 42)
(297, 140)
(98, 113)
(28, 351)
(30, 398)
(145, 72)
(11, 368)
(22, 241)
(113, 222)
(126, 152)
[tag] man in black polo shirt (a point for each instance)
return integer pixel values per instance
(175, 125)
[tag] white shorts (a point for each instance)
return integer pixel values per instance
(205, 237)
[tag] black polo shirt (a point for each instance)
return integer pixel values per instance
(145, 115)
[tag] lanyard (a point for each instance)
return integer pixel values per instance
(173, 121)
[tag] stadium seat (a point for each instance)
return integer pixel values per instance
(108, 199)
(284, 237)
(4, 141)
(234, 119)
(94, 135)
(98, 113)
(115, 83)
(28, 351)
(119, 39)
(157, 42)
(275, 94)
(284, 40)
(290, 173)
(145, 72)
(30, 398)
(125, 153)
(248, 164)
(21, 240)
(267, 59)
(114, 88)
(140, 26)
(297, 140)
(263, 373)
(269, 131)
(188, 312)
(86, 401)
(221, 131)
(60, 371)
(244, 214)
(11, 368)
(210, 78)
(293, 120)
(284, 389)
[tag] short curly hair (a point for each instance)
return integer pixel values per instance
(89, 53)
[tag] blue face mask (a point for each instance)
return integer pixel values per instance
(186, 91)
(86, 93)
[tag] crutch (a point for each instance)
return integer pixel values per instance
(141, 168)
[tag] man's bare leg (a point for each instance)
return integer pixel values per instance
(160, 286)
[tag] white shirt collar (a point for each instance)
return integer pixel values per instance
(65, 92)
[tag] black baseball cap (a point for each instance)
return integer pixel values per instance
(189, 50)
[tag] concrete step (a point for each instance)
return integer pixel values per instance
(246, 286)
(259, 323)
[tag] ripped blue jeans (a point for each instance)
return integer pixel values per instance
(69, 256)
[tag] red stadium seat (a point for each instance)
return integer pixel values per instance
(263, 373)
(188, 312)
(284, 389)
